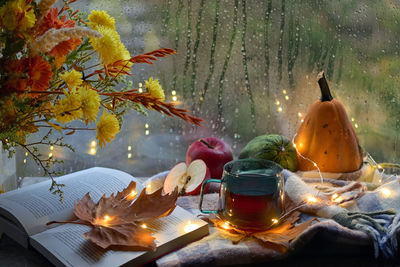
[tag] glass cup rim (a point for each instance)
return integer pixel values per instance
(271, 164)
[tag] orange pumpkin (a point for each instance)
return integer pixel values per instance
(327, 136)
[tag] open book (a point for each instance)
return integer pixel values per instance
(25, 212)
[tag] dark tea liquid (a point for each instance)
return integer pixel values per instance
(252, 211)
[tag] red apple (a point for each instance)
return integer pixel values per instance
(213, 151)
(188, 179)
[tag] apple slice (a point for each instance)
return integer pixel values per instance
(188, 179)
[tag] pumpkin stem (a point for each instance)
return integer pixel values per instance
(323, 85)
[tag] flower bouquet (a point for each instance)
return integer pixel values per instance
(60, 66)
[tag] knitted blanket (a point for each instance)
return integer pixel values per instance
(352, 223)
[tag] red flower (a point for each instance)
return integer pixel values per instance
(39, 73)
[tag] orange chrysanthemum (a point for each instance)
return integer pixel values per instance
(39, 73)
(50, 21)
(61, 50)
(16, 80)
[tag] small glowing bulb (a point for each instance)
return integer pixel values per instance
(24, 161)
(311, 199)
(280, 109)
(147, 132)
(146, 126)
(144, 226)
(286, 97)
(173, 92)
(129, 155)
(336, 198)
(174, 98)
(50, 155)
(92, 151)
(379, 166)
(299, 114)
(106, 219)
(26, 154)
(140, 90)
(386, 192)
(302, 120)
(132, 194)
(275, 221)
(51, 147)
(225, 225)
(277, 102)
(339, 199)
(284, 92)
(356, 125)
(352, 119)
(129, 148)
(189, 227)
(140, 84)
(93, 143)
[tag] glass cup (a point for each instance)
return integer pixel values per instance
(251, 195)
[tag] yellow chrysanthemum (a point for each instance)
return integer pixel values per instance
(17, 14)
(72, 78)
(90, 103)
(155, 89)
(109, 47)
(68, 108)
(101, 18)
(107, 128)
(124, 53)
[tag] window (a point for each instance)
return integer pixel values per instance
(249, 68)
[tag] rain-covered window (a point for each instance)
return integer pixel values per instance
(248, 68)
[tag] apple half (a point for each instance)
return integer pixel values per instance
(188, 179)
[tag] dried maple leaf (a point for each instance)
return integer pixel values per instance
(116, 220)
(280, 235)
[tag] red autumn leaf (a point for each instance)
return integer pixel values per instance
(116, 221)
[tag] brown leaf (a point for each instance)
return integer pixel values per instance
(128, 234)
(84, 208)
(116, 220)
(140, 210)
(281, 235)
(284, 234)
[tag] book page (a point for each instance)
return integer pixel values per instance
(33, 206)
(65, 245)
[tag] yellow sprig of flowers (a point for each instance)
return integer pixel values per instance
(107, 128)
(17, 14)
(68, 108)
(109, 46)
(90, 103)
(154, 88)
(71, 78)
(101, 18)
(79, 103)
